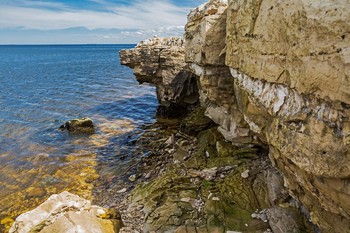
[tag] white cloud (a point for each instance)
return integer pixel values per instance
(143, 15)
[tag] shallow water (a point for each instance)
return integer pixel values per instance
(41, 88)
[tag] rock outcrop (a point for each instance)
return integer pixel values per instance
(277, 73)
(67, 212)
(216, 188)
(161, 62)
(80, 125)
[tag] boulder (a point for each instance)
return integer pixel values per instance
(81, 125)
(65, 213)
(285, 220)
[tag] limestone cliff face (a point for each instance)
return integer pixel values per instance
(161, 62)
(205, 47)
(292, 60)
(277, 72)
(302, 44)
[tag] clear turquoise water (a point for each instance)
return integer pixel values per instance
(43, 86)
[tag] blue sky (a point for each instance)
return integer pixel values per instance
(91, 21)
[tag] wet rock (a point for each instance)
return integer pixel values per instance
(64, 212)
(81, 125)
(35, 192)
(91, 178)
(6, 223)
(283, 220)
(132, 178)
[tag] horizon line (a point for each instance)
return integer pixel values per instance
(70, 44)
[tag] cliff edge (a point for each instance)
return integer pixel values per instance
(272, 73)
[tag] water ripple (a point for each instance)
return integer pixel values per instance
(42, 87)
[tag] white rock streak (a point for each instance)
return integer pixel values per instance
(283, 101)
(276, 98)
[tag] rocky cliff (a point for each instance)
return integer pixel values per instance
(161, 62)
(273, 73)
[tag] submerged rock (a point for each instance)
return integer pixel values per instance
(81, 125)
(67, 212)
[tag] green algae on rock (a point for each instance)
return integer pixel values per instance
(81, 125)
(208, 194)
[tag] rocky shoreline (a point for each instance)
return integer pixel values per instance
(202, 183)
(262, 144)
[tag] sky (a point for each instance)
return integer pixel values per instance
(91, 21)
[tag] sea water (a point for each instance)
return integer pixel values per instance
(41, 87)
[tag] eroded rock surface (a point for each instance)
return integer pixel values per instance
(161, 62)
(66, 212)
(302, 44)
(204, 191)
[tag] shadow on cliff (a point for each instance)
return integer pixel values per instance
(185, 95)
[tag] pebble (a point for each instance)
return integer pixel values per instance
(147, 175)
(209, 173)
(171, 151)
(261, 215)
(185, 199)
(132, 178)
(245, 174)
(36, 192)
(122, 190)
(216, 199)
(170, 140)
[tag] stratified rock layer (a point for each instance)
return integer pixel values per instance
(277, 73)
(161, 62)
(292, 61)
(302, 44)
